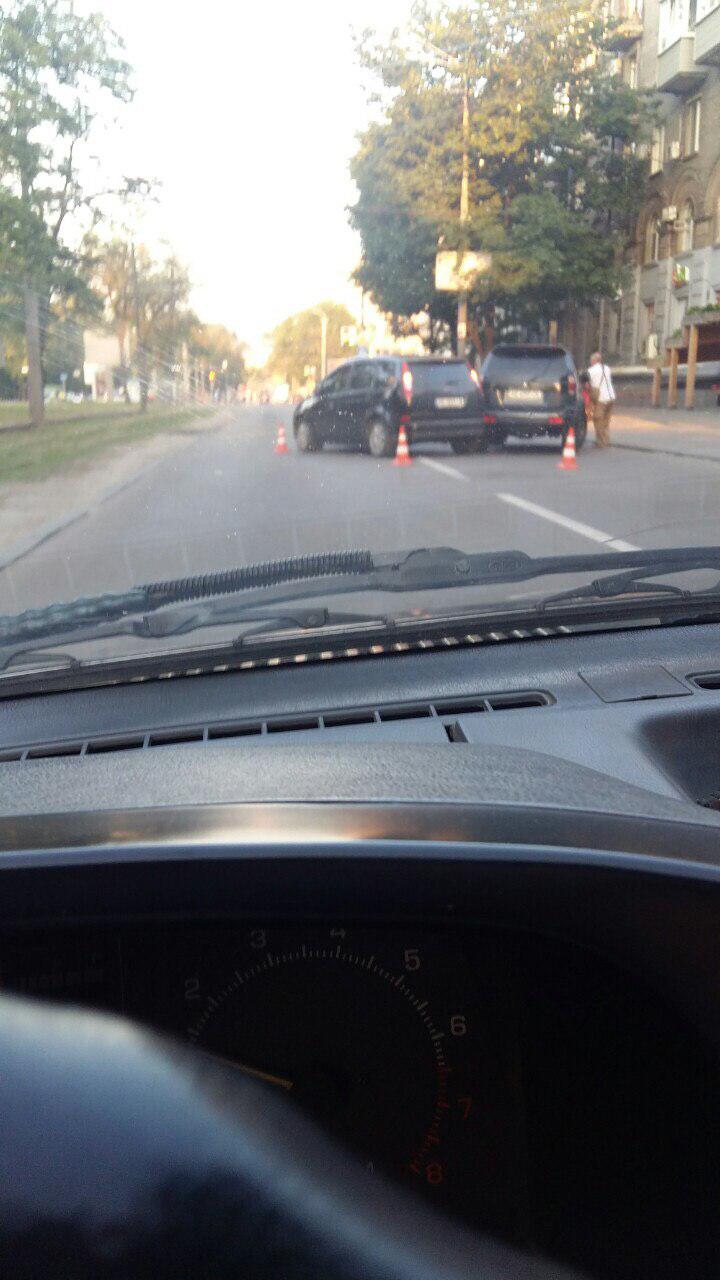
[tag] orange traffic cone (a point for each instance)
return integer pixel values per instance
(281, 443)
(402, 454)
(568, 462)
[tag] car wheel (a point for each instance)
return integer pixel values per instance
(499, 439)
(306, 438)
(380, 440)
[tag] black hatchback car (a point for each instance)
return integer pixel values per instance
(531, 391)
(365, 401)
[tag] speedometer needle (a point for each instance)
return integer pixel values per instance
(268, 1076)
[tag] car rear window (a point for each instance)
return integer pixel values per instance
(440, 377)
(527, 364)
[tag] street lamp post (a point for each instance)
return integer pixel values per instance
(462, 316)
(323, 341)
(454, 65)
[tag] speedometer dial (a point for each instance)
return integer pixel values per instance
(356, 1043)
(389, 1040)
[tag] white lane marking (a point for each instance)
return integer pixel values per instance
(584, 530)
(444, 468)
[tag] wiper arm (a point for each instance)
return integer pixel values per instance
(176, 622)
(212, 600)
(630, 582)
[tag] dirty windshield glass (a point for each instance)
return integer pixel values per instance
(254, 265)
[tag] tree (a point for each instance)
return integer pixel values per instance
(220, 350)
(296, 343)
(145, 304)
(554, 178)
(56, 69)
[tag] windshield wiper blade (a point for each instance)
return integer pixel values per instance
(633, 582)
(214, 599)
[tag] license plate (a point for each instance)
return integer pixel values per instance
(450, 402)
(523, 395)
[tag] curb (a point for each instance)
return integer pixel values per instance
(22, 546)
(670, 453)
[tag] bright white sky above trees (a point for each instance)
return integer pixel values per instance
(247, 112)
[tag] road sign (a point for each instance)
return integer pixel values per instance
(458, 272)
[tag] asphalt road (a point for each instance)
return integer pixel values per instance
(226, 499)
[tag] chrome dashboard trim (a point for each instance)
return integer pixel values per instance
(346, 830)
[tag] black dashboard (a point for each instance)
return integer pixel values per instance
(529, 1044)
(488, 971)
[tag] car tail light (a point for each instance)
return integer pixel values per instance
(489, 419)
(572, 385)
(555, 420)
(407, 383)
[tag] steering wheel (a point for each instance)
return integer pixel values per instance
(122, 1155)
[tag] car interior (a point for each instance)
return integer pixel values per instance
(393, 964)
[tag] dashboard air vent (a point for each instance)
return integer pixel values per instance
(352, 719)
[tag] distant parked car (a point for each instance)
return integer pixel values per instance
(530, 391)
(364, 403)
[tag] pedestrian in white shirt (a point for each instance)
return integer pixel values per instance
(602, 394)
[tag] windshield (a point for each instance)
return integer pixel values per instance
(434, 377)
(394, 278)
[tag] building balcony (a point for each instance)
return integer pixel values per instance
(627, 25)
(707, 33)
(677, 70)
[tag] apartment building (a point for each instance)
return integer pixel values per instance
(673, 47)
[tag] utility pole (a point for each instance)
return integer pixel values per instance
(462, 316)
(140, 352)
(454, 64)
(36, 398)
(185, 372)
(323, 341)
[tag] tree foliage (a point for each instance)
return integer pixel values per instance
(57, 71)
(296, 342)
(555, 180)
(147, 307)
(221, 350)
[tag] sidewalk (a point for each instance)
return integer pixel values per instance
(687, 433)
(33, 511)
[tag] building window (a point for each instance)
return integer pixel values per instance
(651, 247)
(673, 136)
(691, 128)
(657, 149)
(631, 73)
(646, 326)
(685, 228)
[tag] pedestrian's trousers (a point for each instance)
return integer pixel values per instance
(601, 418)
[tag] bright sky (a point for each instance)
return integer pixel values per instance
(247, 112)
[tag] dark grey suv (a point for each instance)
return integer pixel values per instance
(531, 391)
(364, 403)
